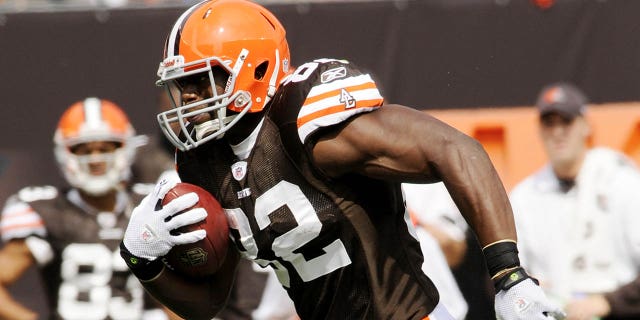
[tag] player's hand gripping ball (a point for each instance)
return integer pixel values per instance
(206, 256)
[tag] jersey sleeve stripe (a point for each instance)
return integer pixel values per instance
(339, 84)
(20, 221)
(21, 231)
(360, 97)
(18, 212)
(337, 109)
(331, 118)
(34, 224)
(336, 92)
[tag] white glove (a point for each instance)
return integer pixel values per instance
(148, 233)
(525, 301)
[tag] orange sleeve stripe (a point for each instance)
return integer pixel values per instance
(336, 92)
(336, 109)
(24, 225)
(413, 217)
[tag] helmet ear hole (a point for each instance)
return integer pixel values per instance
(261, 70)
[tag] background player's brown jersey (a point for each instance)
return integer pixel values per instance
(78, 254)
(342, 248)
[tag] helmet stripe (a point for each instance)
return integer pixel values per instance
(173, 41)
(92, 112)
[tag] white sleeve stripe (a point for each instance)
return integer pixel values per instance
(7, 222)
(21, 233)
(28, 215)
(21, 224)
(328, 120)
(19, 221)
(16, 207)
(18, 212)
(339, 84)
(22, 220)
(366, 94)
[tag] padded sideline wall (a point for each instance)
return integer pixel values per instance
(428, 54)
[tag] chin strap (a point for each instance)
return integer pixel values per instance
(206, 128)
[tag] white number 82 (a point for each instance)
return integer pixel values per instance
(287, 194)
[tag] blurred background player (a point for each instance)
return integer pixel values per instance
(158, 160)
(72, 234)
(441, 229)
(578, 217)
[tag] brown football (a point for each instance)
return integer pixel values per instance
(206, 256)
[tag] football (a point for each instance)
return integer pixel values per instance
(204, 257)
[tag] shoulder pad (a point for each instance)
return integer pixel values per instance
(19, 218)
(37, 193)
(334, 91)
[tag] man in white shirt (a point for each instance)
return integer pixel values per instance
(578, 217)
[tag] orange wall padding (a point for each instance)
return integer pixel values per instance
(510, 135)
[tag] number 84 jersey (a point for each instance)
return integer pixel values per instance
(340, 247)
(76, 247)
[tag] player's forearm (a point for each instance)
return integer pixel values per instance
(188, 299)
(199, 298)
(478, 191)
(10, 309)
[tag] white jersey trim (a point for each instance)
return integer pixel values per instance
(19, 221)
(40, 249)
(305, 130)
(359, 95)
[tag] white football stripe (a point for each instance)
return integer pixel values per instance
(92, 112)
(171, 43)
(359, 95)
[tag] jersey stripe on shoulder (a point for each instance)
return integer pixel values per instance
(19, 221)
(331, 103)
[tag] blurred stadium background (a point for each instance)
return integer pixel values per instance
(477, 64)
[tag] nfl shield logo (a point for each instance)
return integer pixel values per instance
(239, 170)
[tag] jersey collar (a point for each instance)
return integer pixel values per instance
(243, 149)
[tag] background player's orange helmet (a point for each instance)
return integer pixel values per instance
(239, 38)
(93, 120)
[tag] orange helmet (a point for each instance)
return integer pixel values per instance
(238, 37)
(93, 120)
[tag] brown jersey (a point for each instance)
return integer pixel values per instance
(342, 247)
(77, 249)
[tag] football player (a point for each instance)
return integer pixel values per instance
(72, 234)
(307, 164)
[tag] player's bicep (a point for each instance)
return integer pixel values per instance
(393, 142)
(15, 259)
